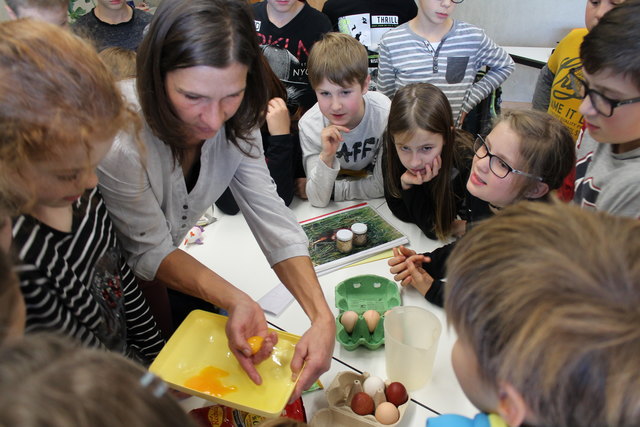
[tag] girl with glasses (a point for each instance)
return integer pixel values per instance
(524, 157)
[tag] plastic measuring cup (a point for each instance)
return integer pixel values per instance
(411, 336)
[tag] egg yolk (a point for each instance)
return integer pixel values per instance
(208, 381)
(255, 343)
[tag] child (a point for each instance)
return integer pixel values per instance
(435, 48)
(526, 155)
(121, 62)
(342, 132)
(52, 11)
(544, 300)
(552, 94)
(59, 112)
(608, 157)
(113, 23)
(48, 380)
(286, 32)
(425, 168)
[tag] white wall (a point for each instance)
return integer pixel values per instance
(539, 23)
(523, 22)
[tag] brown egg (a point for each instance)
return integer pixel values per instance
(372, 318)
(348, 320)
(387, 413)
(362, 404)
(396, 393)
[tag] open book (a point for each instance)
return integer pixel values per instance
(322, 231)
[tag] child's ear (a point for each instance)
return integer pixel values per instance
(511, 405)
(536, 191)
(365, 85)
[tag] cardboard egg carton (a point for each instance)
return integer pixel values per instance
(339, 413)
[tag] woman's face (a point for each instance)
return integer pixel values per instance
(205, 97)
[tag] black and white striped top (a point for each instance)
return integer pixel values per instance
(79, 284)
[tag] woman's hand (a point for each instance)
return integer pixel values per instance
(313, 352)
(246, 319)
(331, 137)
(278, 120)
(431, 171)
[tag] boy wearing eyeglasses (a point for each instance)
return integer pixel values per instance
(435, 48)
(525, 157)
(552, 94)
(608, 151)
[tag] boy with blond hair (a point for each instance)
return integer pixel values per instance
(544, 299)
(342, 132)
(608, 151)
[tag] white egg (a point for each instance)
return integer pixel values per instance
(373, 384)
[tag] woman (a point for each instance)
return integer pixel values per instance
(203, 100)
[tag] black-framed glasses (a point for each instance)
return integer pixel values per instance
(457, 1)
(499, 167)
(602, 104)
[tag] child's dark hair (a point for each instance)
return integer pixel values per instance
(614, 43)
(423, 106)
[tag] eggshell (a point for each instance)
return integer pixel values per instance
(372, 318)
(387, 413)
(362, 404)
(372, 384)
(396, 393)
(348, 320)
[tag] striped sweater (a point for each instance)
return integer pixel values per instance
(451, 65)
(78, 283)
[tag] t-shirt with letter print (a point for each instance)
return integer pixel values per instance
(287, 49)
(368, 21)
(360, 150)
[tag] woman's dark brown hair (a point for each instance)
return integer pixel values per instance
(189, 33)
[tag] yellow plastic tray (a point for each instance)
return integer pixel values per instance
(200, 341)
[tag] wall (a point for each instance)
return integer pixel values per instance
(540, 23)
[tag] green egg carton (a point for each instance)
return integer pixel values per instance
(359, 294)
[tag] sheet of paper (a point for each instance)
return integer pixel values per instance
(276, 300)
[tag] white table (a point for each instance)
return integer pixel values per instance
(230, 250)
(531, 56)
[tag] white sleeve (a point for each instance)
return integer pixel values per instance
(320, 177)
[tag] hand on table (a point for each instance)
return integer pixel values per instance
(409, 179)
(314, 351)
(406, 266)
(246, 319)
(331, 137)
